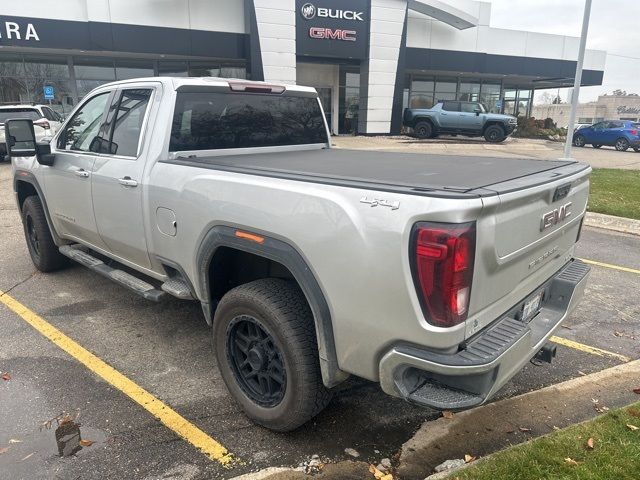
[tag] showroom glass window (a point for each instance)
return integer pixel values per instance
(446, 89)
(469, 91)
(421, 94)
(489, 96)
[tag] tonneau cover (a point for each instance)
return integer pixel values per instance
(414, 173)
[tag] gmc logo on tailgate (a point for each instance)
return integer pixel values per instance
(554, 217)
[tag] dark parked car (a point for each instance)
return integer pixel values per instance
(621, 134)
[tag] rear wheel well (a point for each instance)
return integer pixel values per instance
(24, 190)
(417, 120)
(231, 267)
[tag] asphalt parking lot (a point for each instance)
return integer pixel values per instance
(165, 349)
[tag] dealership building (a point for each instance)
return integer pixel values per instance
(368, 59)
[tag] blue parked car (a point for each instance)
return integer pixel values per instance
(622, 134)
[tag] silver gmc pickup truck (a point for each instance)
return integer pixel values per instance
(439, 277)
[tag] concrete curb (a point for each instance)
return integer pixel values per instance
(493, 427)
(609, 222)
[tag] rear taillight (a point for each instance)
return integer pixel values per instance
(442, 258)
(634, 131)
(42, 123)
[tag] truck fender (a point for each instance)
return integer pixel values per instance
(26, 177)
(287, 255)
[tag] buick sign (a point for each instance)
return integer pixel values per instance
(308, 11)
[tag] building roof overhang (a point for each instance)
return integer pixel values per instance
(445, 13)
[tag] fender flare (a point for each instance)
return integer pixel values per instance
(287, 255)
(27, 177)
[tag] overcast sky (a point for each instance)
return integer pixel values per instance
(614, 27)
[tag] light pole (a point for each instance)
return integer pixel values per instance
(578, 79)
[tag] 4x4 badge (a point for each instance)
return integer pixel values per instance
(374, 202)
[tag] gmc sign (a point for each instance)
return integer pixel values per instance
(329, 33)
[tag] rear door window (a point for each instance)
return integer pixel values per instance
(469, 107)
(49, 115)
(218, 120)
(122, 131)
(28, 113)
(451, 106)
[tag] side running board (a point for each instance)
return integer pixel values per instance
(142, 288)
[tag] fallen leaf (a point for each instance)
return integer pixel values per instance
(634, 412)
(618, 334)
(4, 450)
(376, 473)
(388, 476)
(524, 429)
(590, 443)
(6, 376)
(636, 390)
(570, 461)
(448, 414)
(15, 440)
(468, 458)
(633, 428)
(86, 443)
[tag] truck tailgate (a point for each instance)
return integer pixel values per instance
(524, 236)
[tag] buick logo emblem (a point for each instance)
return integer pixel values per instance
(308, 11)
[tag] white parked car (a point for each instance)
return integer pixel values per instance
(46, 122)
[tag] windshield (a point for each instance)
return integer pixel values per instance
(216, 120)
(8, 113)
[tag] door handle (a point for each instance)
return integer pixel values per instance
(127, 182)
(82, 173)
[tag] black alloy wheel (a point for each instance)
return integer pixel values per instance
(256, 361)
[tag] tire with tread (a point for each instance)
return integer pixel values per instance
(44, 253)
(579, 141)
(622, 144)
(423, 129)
(282, 311)
(494, 134)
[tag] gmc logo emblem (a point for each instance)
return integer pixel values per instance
(332, 34)
(554, 217)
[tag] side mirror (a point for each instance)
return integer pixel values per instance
(21, 142)
(20, 138)
(477, 112)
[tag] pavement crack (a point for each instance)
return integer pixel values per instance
(6, 292)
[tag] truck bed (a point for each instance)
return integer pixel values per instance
(408, 173)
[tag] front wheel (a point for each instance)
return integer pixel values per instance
(44, 253)
(266, 349)
(579, 141)
(622, 144)
(494, 134)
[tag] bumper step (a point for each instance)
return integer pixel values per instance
(441, 397)
(78, 253)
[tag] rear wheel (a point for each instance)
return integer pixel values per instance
(44, 253)
(494, 134)
(622, 144)
(579, 141)
(596, 145)
(265, 345)
(423, 130)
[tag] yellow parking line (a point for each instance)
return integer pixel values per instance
(588, 349)
(172, 419)
(608, 265)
